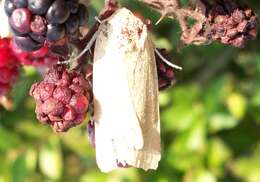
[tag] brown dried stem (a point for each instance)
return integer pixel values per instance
(173, 9)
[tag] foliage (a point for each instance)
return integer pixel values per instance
(210, 121)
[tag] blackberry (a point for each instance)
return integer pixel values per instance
(9, 67)
(9, 8)
(39, 7)
(20, 20)
(55, 32)
(27, 42)
(58, 12)
(40, 58)
(36, 23)
(20, 3)
(62, 98)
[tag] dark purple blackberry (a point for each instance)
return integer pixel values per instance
(38, 38)
(74, 5)
(58, 12)
(20, 20)
(55, 32)
(15, 32)
(45, 22)
(39, 7)
(9, 7)
(27, 43)
(20, 3)
(82, 14)
(72, 24)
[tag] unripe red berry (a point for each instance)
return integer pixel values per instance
(62, 98)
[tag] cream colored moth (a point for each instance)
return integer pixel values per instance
(4, 30)
(125, 87)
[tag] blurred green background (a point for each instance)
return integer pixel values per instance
(210, 120)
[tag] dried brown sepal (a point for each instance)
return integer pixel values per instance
(226, 22)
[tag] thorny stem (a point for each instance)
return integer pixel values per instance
(173, 9)
(169, 8)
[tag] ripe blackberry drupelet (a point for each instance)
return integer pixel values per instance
(37, 22)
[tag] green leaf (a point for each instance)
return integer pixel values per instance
(123, 175)
(50, 159)
(200, 175)
(8, 139)
(222, 121)
(180, 116)
(237, 105)
(19, 170)
(93, 176)
(31, 159)
(218, 155)
(188, 147)
(247, 168)
(215, 94)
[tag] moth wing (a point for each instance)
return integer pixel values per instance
(4, 31)
(117, 128)
(143, 85)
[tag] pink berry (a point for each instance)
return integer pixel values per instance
(4, 88)
(63, 94)
(80, 103)
(69, 115)
(20, 20)
(42, 52)
(38, 25)
(46, 90)
(9, 66)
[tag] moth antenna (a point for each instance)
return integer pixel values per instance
(86, 49)
(167, 62)
(161, 18)
(98, 20)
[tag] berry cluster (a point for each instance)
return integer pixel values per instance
(37, 22)
(39, 58)
(9, 67)
(231, 24)
(166, 76)
(62, 98)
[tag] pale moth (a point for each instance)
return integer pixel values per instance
(125, 87)
(4, 30)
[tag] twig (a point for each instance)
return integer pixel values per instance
(173, 9)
